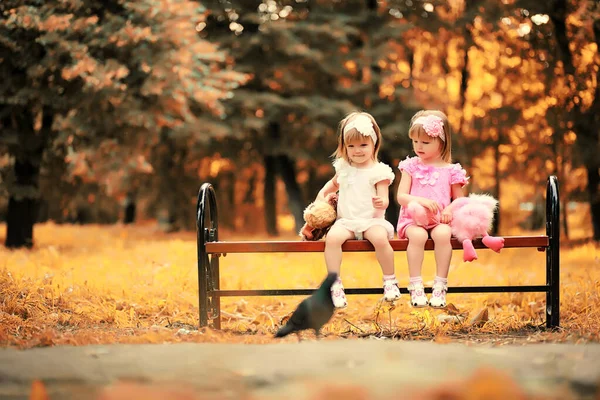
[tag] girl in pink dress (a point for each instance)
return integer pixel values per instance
(431, 180)
(363, 183)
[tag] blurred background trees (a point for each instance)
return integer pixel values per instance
(113, 105)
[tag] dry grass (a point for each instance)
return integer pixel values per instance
(93, 284)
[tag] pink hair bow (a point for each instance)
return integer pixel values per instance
(433, 126)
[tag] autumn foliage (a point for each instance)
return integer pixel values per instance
(117, 284)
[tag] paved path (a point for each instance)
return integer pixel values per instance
(295, 370)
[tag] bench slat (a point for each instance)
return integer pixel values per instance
(248, 246)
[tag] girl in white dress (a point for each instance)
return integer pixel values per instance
(363, 184)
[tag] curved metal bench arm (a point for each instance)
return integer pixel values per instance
(207, 230)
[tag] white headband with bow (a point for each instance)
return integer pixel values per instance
(363, 125)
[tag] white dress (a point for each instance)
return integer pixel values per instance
(355, 210)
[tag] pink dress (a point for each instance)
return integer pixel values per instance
(431, 182)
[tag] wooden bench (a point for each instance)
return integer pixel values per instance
(210, 248)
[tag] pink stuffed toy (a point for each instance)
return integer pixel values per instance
(472, 217)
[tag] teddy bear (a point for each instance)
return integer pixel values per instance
(472, 217)
(319, 216)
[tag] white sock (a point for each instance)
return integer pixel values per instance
(440, 280)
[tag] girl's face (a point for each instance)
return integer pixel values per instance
(428, 149)
(360, 151)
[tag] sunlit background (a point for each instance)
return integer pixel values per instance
(112, 114)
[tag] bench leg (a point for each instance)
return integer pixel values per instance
(215, 285)
(203, 286)
(552, 253)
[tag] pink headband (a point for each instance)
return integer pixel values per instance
(433, 126)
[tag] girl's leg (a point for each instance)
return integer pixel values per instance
(441, 236)
(336, 236)
(417, 236)
(415, 252)
(378, 236)
(334, 240)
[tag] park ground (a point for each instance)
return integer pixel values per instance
(89, 286)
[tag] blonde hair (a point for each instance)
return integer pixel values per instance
(445, 145)
(354, 134)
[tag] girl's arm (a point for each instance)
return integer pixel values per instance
(381, 200)
(456, 191)
(404, 197)
(330, 187)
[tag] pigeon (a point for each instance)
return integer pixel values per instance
(313, 312)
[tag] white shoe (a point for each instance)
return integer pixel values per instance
(417, 295)
(391, 291)
(338, 295)
(438, 295)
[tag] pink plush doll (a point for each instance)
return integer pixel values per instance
(472, 217)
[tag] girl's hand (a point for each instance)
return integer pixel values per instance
(431, 205)
(379, 203)
(446, 216)
(331, 196)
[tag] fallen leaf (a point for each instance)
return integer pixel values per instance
(451, 309)
(456, 319)
(480, 318)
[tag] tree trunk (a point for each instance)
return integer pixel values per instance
(592, 187)
(294, 194)
(130, 209)
(168, 159)
(560, 172)
(225, 188)
(585, 123)
(393, 210)
(22, 209)
(23, 199)
(312, 184)
(496, 223)
(559, 152)
(464, 155)
(270, 163)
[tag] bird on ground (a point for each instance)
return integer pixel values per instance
(313, 312)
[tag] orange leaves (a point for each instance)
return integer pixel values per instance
(96, 75)
(56, 23)
(489, 384)
(131, 35)
(136, 391)
(82, 23)
(131, 284)
(83, 67)
(38, 391)
(176, 105)
(21, 17)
